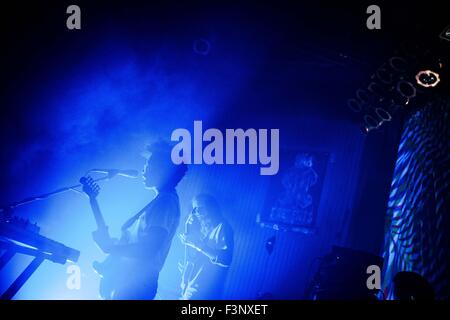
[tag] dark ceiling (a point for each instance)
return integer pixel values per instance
(317, 45)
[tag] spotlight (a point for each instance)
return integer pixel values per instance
(427, 78)
(445, 34)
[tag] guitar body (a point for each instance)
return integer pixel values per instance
(108, 270)
(111, 270)
(120, 276)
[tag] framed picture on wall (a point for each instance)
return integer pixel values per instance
(294, 193)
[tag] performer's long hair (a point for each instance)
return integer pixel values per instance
(211, 204)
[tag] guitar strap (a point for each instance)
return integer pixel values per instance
(133, 219)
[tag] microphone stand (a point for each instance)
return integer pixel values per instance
(13, 205)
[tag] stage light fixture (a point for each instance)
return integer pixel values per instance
(445, 33)
(427, 78)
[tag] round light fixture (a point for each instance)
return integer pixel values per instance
(427, 78)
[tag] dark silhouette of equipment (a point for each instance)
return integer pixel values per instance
(269, 246)
(411, 286)
(20, 236)
(342, 275)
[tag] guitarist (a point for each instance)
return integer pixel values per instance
(132, 268)
(209, 244)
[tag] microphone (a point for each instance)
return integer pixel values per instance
(117, 172)
(190, 219)
(187, 223)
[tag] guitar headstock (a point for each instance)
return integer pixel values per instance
(91, 188)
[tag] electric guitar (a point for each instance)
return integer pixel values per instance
(111, 270)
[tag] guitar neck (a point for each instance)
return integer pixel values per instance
(97, 214)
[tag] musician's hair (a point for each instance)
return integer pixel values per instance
(210, 203)
(160, 154)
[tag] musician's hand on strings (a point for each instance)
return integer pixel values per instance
(183, 238)
(188, 241)
(188, 292)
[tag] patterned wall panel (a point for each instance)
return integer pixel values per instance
(418, 220)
